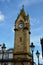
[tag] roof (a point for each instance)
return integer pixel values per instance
(10, 49)
(23, 14)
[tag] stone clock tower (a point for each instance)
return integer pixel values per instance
(22, 39)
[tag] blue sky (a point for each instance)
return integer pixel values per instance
(9, 10)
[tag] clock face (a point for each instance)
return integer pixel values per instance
(20, 25)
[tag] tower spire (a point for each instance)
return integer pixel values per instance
(22, 12)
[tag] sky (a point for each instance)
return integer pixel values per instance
(9, 10)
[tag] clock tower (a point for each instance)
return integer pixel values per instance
(22, 39)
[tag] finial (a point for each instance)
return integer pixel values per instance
(23, 6)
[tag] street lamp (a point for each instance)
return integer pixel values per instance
(32, 49)
(37, 54)
(3, 50)
(3, 47)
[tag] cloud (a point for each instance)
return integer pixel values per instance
(13, 29)
(36, 40)
(34, 21)
(36, 35)
(37, 30)
(41, 60)
(2, 17)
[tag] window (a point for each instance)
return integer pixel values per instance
(6, 56)
(20, 39)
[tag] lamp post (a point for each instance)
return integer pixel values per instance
(3, 47)
(3, 50)
(32, 49)
(37, 54)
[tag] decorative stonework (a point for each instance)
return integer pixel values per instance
(22, 38)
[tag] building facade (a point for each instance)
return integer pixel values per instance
(7, 55)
